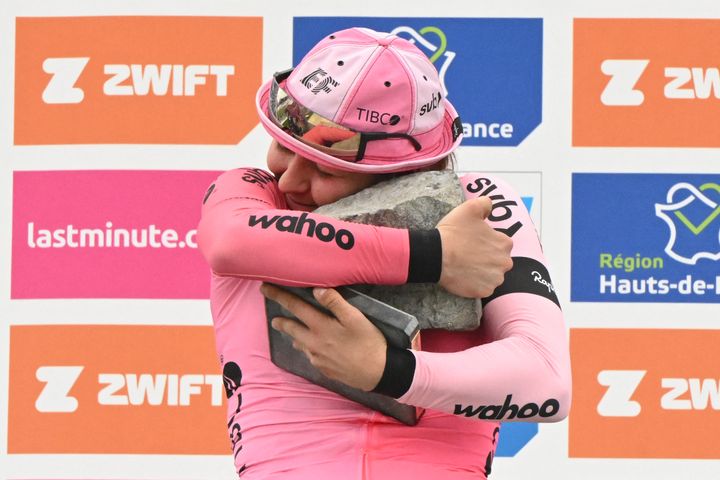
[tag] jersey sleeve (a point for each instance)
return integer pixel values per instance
(523, 372)
(247, 231)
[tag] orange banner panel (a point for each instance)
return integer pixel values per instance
(646, 83)
(645, 393)
(171, 80)
(115, 389)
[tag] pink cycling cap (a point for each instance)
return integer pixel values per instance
(370, 81)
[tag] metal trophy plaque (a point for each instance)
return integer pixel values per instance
(399, 328)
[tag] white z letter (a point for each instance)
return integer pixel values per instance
(624, 75)
(621, 386)
(58, 382)
(65, 72)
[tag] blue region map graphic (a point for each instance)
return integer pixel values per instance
(645, 238)
(491, 67)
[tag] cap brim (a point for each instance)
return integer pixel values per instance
(369, 164)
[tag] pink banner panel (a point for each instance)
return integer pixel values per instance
(108, 234)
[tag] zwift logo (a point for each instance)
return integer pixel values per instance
(162, 87)
(131, 79)
(681, 393)
(645, 82)
(644, 393)
(128, 389)
(685, 83)
(691, 214)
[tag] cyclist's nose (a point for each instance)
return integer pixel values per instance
(296, 177)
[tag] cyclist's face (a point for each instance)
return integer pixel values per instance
(307, 185)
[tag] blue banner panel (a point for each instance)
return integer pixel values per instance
(646, 238)
(491, 68)
(513, 437)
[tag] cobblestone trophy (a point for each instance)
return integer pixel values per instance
(418, 200)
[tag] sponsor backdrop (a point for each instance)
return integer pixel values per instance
(604, 116)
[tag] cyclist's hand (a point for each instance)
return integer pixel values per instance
(346, 346)
(474, 256)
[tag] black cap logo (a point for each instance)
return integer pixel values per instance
(319, 81)
(457, 128)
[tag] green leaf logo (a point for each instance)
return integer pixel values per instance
(443, 41)
(697, 229)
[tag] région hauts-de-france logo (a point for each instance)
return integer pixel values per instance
(470, 55)
(436, 52)
(655, 239)
(692, 214)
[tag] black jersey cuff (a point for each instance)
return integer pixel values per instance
(425, 256)
(526, 276)
(398, 373)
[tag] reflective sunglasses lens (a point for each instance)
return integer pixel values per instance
(310, 127)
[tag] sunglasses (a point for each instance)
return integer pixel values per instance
(319, 132)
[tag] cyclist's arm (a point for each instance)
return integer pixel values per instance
(524, 372)
(246, 230)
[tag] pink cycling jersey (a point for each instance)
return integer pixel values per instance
(515, 367)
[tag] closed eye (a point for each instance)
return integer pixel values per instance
(283, 149)
(327, 172)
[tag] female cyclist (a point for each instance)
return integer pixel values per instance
(362, 104)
